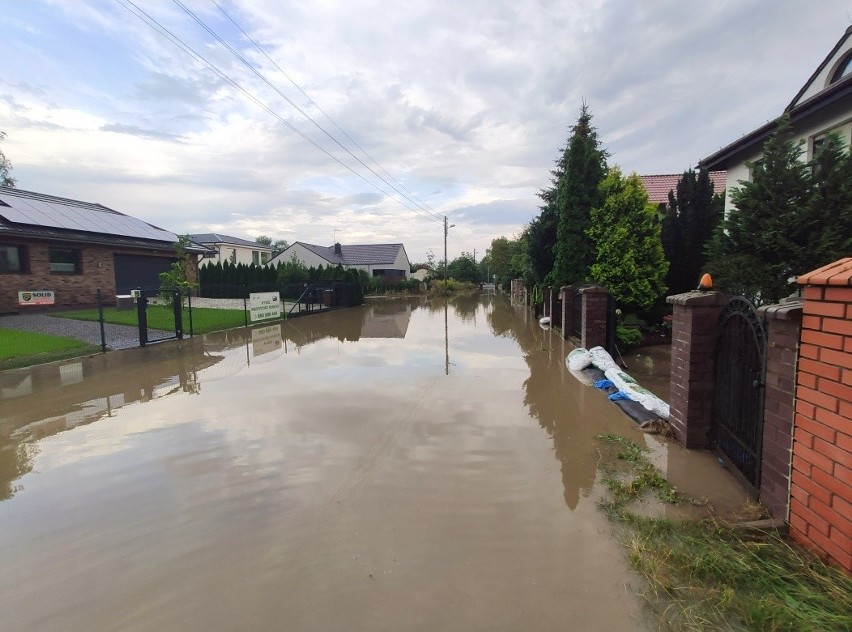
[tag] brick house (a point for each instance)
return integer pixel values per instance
(72, 249)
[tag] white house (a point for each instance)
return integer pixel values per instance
(233, 249)
(823, 105)
(385, 260)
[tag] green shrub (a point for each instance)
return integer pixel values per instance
(628, 336)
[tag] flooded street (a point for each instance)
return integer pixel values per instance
(407, 465)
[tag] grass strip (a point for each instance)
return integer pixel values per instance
(709, 575)
(25, 348)
(204, 319)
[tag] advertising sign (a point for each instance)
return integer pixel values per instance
(264, 305)
(36, 297)
(265, 339)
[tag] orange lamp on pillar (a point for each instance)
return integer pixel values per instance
(706, 283)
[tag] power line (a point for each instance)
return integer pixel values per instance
(415, 199)
(251, 67)
(157, 26)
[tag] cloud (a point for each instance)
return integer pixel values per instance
(466, 105)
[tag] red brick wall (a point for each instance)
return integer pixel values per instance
(72, 290)
(821, 477)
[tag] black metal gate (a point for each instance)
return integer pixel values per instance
(738, 392)
(166, 323)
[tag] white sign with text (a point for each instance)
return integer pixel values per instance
(264, 305)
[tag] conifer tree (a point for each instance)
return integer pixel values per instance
(831, 202)
(765, 241)
(691, 216)
(625, 234)
(583, 168)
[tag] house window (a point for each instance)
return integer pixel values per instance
(233, 256)
(65, 261)
(14, 260)
(844, 69)
(264, 258)
(255, 257)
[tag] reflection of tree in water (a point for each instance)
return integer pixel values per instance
(553, 396)
(466, 306)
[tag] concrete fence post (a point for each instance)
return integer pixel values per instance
(566, 296)
(595, 309)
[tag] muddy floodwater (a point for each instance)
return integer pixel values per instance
(406, 465)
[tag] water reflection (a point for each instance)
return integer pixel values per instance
(45, 400)
(358, 481)
(49, 399)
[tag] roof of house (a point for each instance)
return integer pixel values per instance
(216, 238)
(658, 186)
(353, 254)
(30, 214)
(796, 110)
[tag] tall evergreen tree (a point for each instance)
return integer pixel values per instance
(691, 216)
(831, 202)
(765, 241)
(584, 167)
(625, 232)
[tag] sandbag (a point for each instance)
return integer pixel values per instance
(578, 359)
(602, 359)
(629, 387)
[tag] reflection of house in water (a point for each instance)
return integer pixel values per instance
(386, 320)
(48, 399)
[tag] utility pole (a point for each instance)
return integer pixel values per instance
(446, 230)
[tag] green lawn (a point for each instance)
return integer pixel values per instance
(24, 348)
(204, 319)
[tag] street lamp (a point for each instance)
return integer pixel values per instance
(446, 230)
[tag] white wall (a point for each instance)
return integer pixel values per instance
(243, 254)
(820, 82)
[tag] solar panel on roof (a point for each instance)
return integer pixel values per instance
(56, 213)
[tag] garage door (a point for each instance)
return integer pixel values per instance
(137, 271)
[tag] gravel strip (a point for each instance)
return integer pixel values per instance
(117, 336)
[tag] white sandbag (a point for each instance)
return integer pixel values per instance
(629, 387)
(602, 359)
(578, 359)
(619, 378)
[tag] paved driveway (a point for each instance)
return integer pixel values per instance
(117, 336)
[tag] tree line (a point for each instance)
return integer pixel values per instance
(595, 224)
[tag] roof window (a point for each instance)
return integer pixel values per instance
(844, 69)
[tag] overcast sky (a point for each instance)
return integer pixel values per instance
(464, 104)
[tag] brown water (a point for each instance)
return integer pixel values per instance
(402, 466)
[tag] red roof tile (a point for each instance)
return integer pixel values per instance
(658, 186)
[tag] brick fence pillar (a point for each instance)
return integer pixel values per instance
(783, 325)
(821, 477)
(595, 309)
(693, 338)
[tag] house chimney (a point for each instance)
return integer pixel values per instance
(337, 250)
